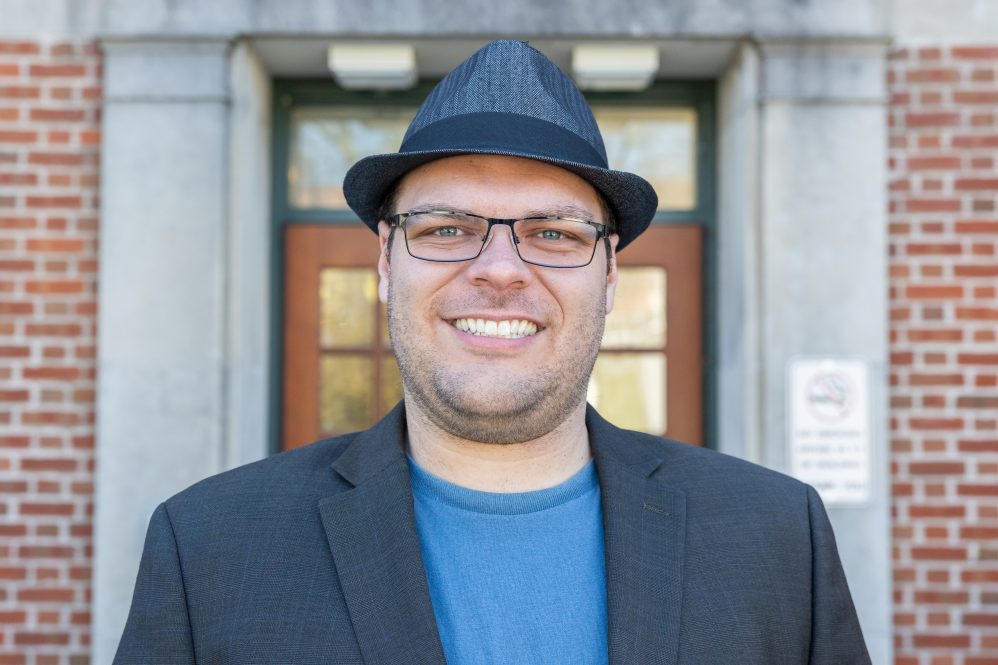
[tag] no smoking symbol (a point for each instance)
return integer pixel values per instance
(830, 396)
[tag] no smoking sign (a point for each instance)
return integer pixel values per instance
(829, 428)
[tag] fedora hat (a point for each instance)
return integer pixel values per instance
(506, 99)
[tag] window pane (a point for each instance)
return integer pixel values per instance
(638, 317)
(346, 307)
(326, 142)
(628, 389)
(345, 397)
(657, 144)
(391, 382)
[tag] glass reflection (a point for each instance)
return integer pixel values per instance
(628, 389)
(326, 142)
(345, 394)
(346, 296)
(638, 319)
(658, 143)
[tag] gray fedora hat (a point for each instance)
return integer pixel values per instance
(506, 99)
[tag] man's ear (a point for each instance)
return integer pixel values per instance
(611, 272)
(384, 264)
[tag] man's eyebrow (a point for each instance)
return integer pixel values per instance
(554, 210)
(561, 210)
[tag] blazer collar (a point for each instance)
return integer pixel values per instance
(371, 531)
(372, 534)
(644, 524)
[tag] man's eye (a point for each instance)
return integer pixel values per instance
(551, 234)
(447, 231)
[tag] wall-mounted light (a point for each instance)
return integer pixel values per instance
(373, 66)
(614, 66)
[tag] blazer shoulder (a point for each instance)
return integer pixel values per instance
(299, 472)
(696, 470)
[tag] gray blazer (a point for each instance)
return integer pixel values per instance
(312, 556)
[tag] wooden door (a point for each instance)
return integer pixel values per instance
(340, 375)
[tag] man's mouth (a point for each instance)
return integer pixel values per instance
(508, 329)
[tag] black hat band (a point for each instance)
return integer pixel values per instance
(504, 132)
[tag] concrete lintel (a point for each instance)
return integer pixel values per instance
(160, 70)
(825, 71)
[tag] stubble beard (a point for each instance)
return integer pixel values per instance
(469, 404)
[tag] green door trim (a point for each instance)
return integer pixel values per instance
(291, 94)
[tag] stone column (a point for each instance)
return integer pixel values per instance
(822, 261)
(161, 403)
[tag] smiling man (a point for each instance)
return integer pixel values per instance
(493, 517)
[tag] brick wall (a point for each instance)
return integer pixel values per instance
(49, 139)
(944, 353)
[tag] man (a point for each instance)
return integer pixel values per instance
(494, 517)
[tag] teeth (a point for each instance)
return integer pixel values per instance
(487, 328)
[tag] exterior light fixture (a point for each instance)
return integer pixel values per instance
(629, 67)
(373, 66)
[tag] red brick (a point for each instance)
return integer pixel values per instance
(975, 184)
(19, 48)
(989, 97)
(933, 248)
(57, 70)
(934, 292)
(932, 119)
(979, 532)
(933, 641)
(935, 423)
(936, 468)
(975, 52)
(980, 619)
(18, 136)
(976, 141)
(976, 314)
(56, 115)
(54, 202)
(935, 335)
(973, 489)
(56, 158)
(934, 162)
(19, 92)
(977, 358)
(55, 245)
(977, 402)
(53, 329)
(933, 205)
(47, 464)
(921, 511)
(60, 595)
(40, 638)
(18, 179)
(54, 286)
(942, 597)
(63, 373)
(978, 445)
(932, 75)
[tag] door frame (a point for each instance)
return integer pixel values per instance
(292, 94)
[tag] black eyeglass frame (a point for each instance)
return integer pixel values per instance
(398, 221)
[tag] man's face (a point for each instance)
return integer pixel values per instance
(487, 388)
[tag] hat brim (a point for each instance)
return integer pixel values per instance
(632, 198)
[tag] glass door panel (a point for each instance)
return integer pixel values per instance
(340, 374)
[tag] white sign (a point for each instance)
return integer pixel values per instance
(828, 406)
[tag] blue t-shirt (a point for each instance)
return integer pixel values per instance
(515, 578)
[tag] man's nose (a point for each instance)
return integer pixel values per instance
(499, 264)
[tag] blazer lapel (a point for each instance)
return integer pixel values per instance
(644, 524)
(372, 534)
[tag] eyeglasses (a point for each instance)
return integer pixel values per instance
(448, 236)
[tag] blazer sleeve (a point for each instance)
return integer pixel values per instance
(836, 637)
(158, 628)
